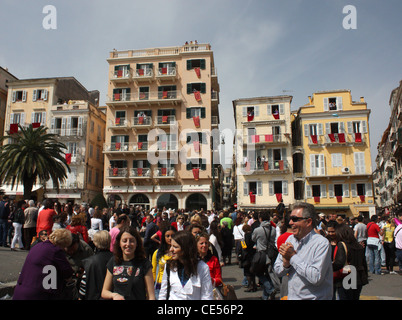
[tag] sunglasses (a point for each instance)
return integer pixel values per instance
(296, 219)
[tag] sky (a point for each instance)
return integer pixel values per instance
(261, 47)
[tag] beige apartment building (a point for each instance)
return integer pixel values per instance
(162, 109)
(263, 152)
(5, 77)
(67, 108)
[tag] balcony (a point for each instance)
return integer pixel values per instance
(144, 98)
(69, 132)
(117, 147)
(140, 173)
(165, 121)
(336, 139)
(166, 74)
(119, 124)
(121, 76)
(117, 173)
(266, 167)
(143, 75)
(165, 173)
(266, 139)
(141, 122)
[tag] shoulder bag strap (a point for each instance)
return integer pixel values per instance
(168, 281)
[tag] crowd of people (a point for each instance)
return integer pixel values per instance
(159, 254)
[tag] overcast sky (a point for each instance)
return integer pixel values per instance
(261, 47)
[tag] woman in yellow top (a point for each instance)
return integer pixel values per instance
(388, 229)
(160, 257)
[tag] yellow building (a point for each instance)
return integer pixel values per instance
(334, 145)
(162, 108)
(263, 152)
(5, 77)
(68, 109)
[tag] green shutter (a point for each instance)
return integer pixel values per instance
(135, 164)
(202, 64)
(189, 87)
(203, 88)
(203, 164)
(188, 113)
(203, 112)
(188, 166)
(189, 64)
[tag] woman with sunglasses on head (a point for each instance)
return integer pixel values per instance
(185, 276)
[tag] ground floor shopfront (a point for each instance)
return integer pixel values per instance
(191, 197)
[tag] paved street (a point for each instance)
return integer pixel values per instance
(384, 287)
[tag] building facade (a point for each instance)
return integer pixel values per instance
(162, 109)
(5, 77)
(388, 173)
(332, 154)
(55, 103)
(263, 152)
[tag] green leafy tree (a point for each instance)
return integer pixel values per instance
(32, 156)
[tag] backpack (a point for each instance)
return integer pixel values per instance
(262, 259)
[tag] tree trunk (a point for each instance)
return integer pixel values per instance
(28, 185)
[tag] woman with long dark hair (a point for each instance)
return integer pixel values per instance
(161, 256)
(129, 272)
(185, 276)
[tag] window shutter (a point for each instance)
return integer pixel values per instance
(188, 113)
(285, 187)
(22, 118)
(245, 188)
(203, 87)
(323, 190)
(204, 164)
(271, 188)
(327, 128)
(309, 194)
(339, 103)
(269, 110)
(43, 120)
(257, 111)
(189, 91)
(14, 96)
(282, 108)
(369, 190)
(202, 64)
(350, 127)
(45, 94)
(322, 164)
(11, 118)
(312, 165)
(203, 110)
(270, 156)
(306, 130)
(364, 126)
(345, 190)
(188, 166)
(353, 188)
(32, 117)
(325, 104)
(35, 93)
(259, 188)
(341, 127)
(244, 112)
(189, 64)
(63, 127)
(24, 96)
(331, 190)
(320, 129)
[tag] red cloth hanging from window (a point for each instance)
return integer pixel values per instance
(276, 115)
(35, 125)
(248, 166)
(117, 97)
(119, 73)
(163, 171)
(141, 72)
(255, 138)
(196, 121)
(278, 197)
(164, 94)
(339, 198)
(68, 158)
(358, 137)
(115, 171)
(331, 137)
(117, 121)
(196, 173)
(269, 138)
(266, 166)
(141, 120)
(139, 145)
(117, 145)
(314, 138)
(252, 197)
(250, 116)
(197, 95)
(341, 137)
(139, 172)
(362, 198)
(142, 95)
(13, 128)
(317, 199)
(164, 119)
(164, 70)
(198, 72)
(281, 164)
(196, 146)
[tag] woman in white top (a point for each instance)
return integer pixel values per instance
(215, 239)
(185, 276)
(96, 224)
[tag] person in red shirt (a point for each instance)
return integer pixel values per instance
(77, 226)
(45, 218)
(286, 231)
(212, 261)
(374, 245)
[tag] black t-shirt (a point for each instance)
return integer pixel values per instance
(129, 278)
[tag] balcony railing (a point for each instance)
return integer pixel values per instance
(141, 121)
(121, 75)
(118, 123)
(266, 138)
(144, 97)
(117, 172)
(168, 172)
(140, 173)
(266, 166)
(337, 138)
(69, 132)
(166, 72)
(165, 120)
(143, 74)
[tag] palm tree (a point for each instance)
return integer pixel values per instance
(32, 155)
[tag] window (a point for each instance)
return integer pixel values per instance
(120, 117)
(317, 165)
(195, 112)
(196, 63)
(196, 136)
(72, 148)
(360, 167)
(336, 160)
(122, 71)
(278, 187)
(196, 164)
(199, 86)
(118, 163)
(333, 104)
(361, 189)
(167, 92)
(338, 189)
(167, 68)
(38, 117)
(144, 93)
(121, 94)
(316, 190)
(141, 164)
(255, 187)
(19, 96)
(144, 70)
(39, 94)
(18, 117)
(276, 109)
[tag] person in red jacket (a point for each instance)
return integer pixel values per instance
(45, 218)
(77, 226)
(205, 253)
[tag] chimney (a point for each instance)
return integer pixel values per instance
(361, 99)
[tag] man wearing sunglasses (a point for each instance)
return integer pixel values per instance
(306, 258)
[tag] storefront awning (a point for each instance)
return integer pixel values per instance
(18, 190)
